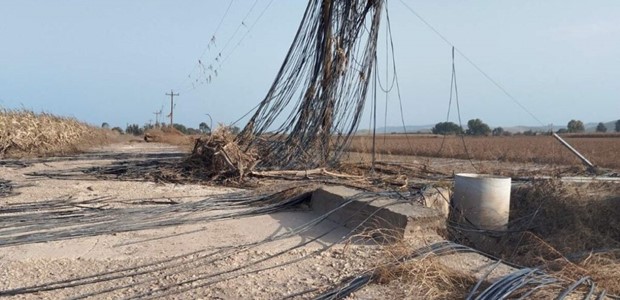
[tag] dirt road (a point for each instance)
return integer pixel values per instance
(108, 239)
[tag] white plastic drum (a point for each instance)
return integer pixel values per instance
(482, 200)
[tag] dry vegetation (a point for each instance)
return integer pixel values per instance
(421, 278)
(574, 231)
(602, 151)
(219, 156)
(570, 231)
(24, 133)
(168, 135)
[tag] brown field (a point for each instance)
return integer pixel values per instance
(603, 151)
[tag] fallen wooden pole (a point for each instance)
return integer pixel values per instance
(581, 157)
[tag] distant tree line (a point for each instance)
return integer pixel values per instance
(135, 129)
(476, 127)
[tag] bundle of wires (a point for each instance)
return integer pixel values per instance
(321, 85)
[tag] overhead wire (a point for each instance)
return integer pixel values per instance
(247, 32)
(458, 110)
(472, 63)
(214, 67)
(395, 76)
(211, 41)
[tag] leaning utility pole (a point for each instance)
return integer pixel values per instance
(172, 94)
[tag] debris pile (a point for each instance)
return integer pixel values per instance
(219, 155)
(166, 134)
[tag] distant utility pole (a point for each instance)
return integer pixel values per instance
(172, 94)
(157, 113)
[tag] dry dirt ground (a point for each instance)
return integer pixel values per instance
(110, 239)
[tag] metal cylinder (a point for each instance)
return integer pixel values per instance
(482, 201)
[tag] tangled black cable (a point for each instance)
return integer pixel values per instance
(522, 282)
(321, 85)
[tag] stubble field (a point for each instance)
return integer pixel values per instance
(603, 151)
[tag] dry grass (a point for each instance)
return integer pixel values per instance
(586, 213)
(575, 232)
(421, 278)
(25, 134)
(602, 151)
(410, 275)
(571, 231)
(168, 135)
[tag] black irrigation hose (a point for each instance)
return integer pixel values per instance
(503, 288)
(347, 288)
(24, 163)
(96, 222)
(135, 271)
(6, 188)
(575, 285)
(304, 227)
(279, 253)
(85, 280)
(509, 284)
(167, 291)
(482, 279)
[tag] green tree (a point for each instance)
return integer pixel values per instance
(134, 129)
(204, 128)
(498, 131)
(105, 125)
(180, 127)
(478, 128)
(562, 131)
(147, 126)
(447, 128)
(618, 126)
(601, 127)
(575, 126)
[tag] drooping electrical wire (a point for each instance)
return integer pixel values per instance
(396, 81)
(473, 64)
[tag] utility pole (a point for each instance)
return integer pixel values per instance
(157, 113)
(172, 94)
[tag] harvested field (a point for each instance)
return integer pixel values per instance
(25, 134)
(602, 151)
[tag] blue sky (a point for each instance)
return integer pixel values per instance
(113, 61)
